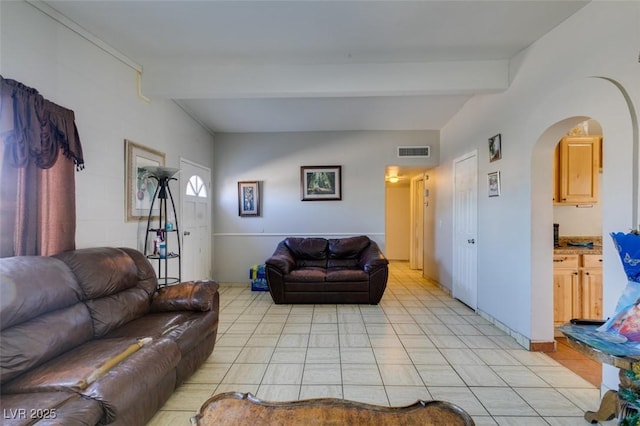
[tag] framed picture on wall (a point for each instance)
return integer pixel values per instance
(494, 184)
(139, 186)
(248, 198)
(321, 183)
(495, 148)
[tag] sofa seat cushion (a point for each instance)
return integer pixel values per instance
(307, 274)
(347, 274)
(66, 408)
(327, 287)
(186, 328)
(128, 382)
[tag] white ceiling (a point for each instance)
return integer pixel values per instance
(269, 66)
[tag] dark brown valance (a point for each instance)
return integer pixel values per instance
(34, 128)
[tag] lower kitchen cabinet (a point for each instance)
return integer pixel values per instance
(577, 287)
(591, 281)
(566, 282)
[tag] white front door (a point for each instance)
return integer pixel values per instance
(465, 224)
(195, 184)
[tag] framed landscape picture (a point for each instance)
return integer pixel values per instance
(140, 187)
(321, 183)
(248, 198)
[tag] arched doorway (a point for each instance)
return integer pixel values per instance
(608, 103)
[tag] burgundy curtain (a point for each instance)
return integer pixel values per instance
(37, 189)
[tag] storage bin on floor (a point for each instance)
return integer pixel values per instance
(258, 277)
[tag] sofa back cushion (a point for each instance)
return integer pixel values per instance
(348, 248)
(308, 252)
(117, 284)
(41, 313)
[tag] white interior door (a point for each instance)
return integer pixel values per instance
(465, 229)
(195, 184)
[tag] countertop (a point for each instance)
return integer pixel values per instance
(565, 248)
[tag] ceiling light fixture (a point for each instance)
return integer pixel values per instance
(394, 179)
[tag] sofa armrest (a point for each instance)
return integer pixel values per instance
(372, 258)
(281, 259)
(186, 296)
(284, 264)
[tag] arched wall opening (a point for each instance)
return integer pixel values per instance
(607, 102)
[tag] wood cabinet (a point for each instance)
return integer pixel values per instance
(577, 166)
(566, 299)
(577, 287)
(591, 281)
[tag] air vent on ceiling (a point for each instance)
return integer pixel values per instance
(414, 151)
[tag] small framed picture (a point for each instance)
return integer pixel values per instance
(248, 198)
(495, 148)
(321, 183)
(494, 184)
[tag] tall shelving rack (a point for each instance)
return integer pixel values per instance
(164, 228)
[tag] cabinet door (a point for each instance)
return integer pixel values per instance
(592, 261)
(578, 168)
(566, 298)
(591, 293)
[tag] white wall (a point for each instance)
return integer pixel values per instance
(552, 81)
(275, 160)
(70, 71)
(579, 221)
(397, 221)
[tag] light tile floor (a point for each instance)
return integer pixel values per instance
(418, 343)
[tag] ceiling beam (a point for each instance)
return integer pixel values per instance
(179, 80)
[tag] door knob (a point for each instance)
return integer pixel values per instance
(471, 241)
(186, 233)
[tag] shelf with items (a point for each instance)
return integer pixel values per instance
(168, 256)
(160, 226)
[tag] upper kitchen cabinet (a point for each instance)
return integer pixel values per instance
(577, 166)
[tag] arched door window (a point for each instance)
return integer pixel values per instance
(196, 187)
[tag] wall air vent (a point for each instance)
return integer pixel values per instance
(414, 151)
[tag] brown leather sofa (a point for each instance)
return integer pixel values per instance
(68, 320)
(319, 270)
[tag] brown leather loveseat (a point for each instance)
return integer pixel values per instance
(71, 340)
(319, 270)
